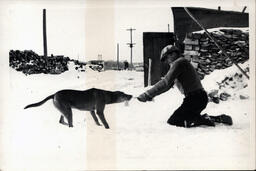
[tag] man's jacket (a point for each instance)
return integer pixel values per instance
(183, 74)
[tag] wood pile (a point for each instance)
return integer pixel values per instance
(215, 97)
(235, 82)
(29, 62)
(206, 57)
(79, 66)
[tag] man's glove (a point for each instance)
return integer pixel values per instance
(144, 97)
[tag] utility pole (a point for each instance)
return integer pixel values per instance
(131, 44)
(44, 33)
(99, 57)
(117, 56)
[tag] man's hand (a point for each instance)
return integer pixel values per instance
(144, 97)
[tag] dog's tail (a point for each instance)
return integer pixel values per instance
(39, 103)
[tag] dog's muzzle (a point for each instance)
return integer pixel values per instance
(126, 103)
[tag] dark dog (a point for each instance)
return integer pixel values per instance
(89, 100)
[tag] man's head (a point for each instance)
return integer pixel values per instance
(169, 54)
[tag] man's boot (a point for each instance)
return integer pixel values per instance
(225, 119)
(198, 121)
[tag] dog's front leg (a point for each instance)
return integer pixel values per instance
(95, 118)
(103, 120)
(100, 106)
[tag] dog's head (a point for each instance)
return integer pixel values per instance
(121, 96)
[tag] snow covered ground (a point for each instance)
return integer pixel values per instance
(138, 138)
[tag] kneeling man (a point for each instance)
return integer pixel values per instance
(183, 74)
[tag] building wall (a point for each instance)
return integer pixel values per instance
(209, 18)
(153, 43)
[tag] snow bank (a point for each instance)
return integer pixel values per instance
(139, 137)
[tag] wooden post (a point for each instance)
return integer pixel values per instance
(44, 33)
(149, 71)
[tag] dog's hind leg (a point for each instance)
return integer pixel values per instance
(62, 120)
(95, 118)
(68, 115)
(70, 118)
(66, 112)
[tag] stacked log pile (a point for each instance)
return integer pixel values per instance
(29, 62)
(206, 57)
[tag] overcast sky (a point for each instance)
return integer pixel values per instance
(86, 29)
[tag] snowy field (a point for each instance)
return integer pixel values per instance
(138, 138)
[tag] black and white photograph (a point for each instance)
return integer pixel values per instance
(127, 85)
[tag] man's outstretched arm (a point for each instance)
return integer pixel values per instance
(163, 85)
